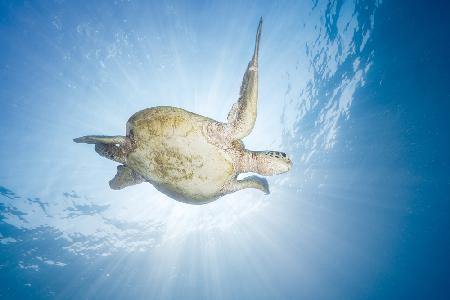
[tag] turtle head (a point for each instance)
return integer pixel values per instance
(272, 162)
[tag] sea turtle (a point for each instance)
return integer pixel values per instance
(189, 157)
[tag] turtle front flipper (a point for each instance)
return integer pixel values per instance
(125, 177)
(254, 182)
(242, 117)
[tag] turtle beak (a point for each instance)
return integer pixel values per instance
(274, 162)
(284, 165)
(289, 163)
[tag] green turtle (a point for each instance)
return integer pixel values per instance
(189, 157)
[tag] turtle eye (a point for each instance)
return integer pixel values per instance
(276, 154)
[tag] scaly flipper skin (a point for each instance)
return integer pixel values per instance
(253, 182)
(112, 152)
(112, 147)
(125, 177)
(242, 117)
(103, 139)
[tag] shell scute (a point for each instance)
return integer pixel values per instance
(172, 152)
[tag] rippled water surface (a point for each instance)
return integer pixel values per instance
(356, 92)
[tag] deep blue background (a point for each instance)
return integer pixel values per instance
(413, 62)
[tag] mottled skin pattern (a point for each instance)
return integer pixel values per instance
(189, 157)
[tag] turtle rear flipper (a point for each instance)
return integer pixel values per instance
(125, 177)
(112, 147)
(101, 139)
(112, 152)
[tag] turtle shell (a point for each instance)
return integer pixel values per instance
(171, 152)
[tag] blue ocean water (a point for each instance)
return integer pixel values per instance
(356, 92)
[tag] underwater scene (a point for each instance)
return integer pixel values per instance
(343, 192)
